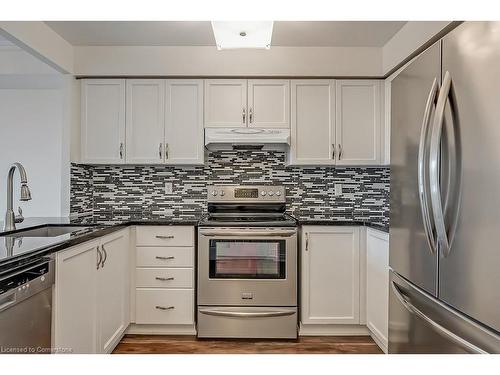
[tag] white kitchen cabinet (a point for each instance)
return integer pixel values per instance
(91, 304)
(377, 285)
(184, 143)
(358, 122)
(103, 121)
(164, 280)
(330, 289)
(75, 302)
(113, 298)
(312, 122)
(145, 121)
(225, 103)
(269, 103)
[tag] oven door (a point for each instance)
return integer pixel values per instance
(247, 266)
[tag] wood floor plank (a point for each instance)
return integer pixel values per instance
(160, 344)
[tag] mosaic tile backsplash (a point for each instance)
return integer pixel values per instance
(111, 192)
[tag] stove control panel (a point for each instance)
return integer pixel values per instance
(250, 194)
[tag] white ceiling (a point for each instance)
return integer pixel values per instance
(199, 33)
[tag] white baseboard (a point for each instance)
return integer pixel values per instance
(378, 337)
(333, 330)
(162, 329)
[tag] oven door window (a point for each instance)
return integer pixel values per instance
(247, 259)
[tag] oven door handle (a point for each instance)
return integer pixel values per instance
(214, 233)
(240, 314)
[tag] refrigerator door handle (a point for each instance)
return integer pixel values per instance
(444, 236)
(422, 166)
(401, 296)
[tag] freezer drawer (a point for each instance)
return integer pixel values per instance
(247, 322)
(419, 323)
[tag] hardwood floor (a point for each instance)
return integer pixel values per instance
(159, 344)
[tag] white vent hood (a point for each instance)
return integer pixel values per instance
(247, 138)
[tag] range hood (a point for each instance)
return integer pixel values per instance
(247, 139)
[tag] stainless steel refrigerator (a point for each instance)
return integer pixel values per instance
(445, 197)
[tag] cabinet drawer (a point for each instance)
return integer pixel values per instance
(164, 306)
(165, 236)
(165, 256)
(164, 278)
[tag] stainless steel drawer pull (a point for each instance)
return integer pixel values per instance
(165, 308)
(221, 233)
(165, 237)
(164, 278)
(241, 314)
(164, 258)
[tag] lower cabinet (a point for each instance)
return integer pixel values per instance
(164, 280)
(344, 282)
(91, 295)
(377, 285)
(330, 287)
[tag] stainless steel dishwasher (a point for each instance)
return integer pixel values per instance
(26, 308)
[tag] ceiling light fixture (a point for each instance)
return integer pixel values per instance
(235, 35)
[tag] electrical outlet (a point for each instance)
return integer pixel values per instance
(338, 190)
(168, 188)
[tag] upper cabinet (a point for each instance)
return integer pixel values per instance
(260, 103)
(103, 121)
(142, 121)
(269, 103)
(358, 122)
(336, 122)
(145, 120)
(184, 122)
(313, 122)
(161, 121)
(225, 103)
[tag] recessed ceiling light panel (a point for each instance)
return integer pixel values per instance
(234, 35)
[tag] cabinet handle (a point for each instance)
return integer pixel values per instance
(121, 150)
(105, 255)
(340, 151)
(164, 258)
(250, 114)
(244, 116)
(160, 151)
(165, 308)
(99, 257)
(307, 241)
(333, 151)
(165, 237)
(166, 150)
(164, 278)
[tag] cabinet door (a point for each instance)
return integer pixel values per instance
(145, 121)
(103, 121)
(269, 103)
(184, 122)
(113, 290)
(358, 122)
(377, 284)
(225, 103)
(75, 305)
(313, 122)
(330, 275)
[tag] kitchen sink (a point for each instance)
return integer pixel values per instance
(48, 231)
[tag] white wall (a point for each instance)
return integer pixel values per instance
(208, 61)
(40, 41)
(31, 132)
(412, 36)
(34, 130)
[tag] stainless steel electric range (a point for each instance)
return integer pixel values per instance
(247, 264)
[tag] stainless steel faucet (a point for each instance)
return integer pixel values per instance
(10, 218)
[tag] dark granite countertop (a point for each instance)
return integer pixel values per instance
(16, 249)
(369, 224)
